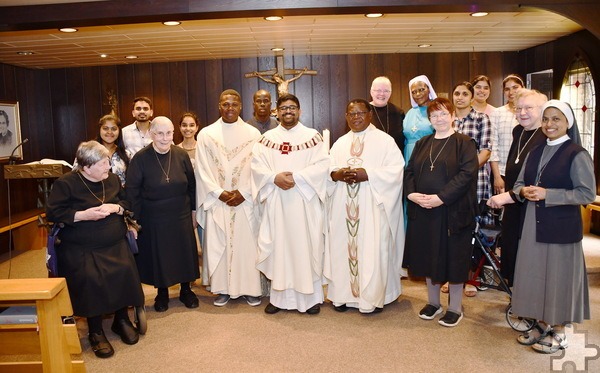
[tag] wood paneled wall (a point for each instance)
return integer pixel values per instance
(78, 96)
(61, 107)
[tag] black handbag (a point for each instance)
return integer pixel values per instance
(131, 224)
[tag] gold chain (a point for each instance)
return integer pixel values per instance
(94, 194)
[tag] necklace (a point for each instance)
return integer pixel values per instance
(140, 132)
(387, 118)
(438, 154)
(94, 194)
(161, 167)
(519, 149)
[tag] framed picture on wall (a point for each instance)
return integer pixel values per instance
(10, 130)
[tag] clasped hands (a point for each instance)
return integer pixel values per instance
(232, 198)
(533, 193)
(97, 212)
(350, 175)
(426, 201)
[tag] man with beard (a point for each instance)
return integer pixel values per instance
(289, 172)
(137, 135)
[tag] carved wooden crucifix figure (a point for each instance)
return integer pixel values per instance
(277, 76)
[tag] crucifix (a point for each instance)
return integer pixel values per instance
(277, 75)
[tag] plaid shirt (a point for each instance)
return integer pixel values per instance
(503, 121)
(478, 127)
(133, 139)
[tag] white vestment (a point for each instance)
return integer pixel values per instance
(291, 237)
(223, 156)
(363, 261)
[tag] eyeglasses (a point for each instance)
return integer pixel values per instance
(441, 115)
(380, 91)
(361, 114)
(163, 134)
(528, 109)
(357, 114)
(418, 90)
(286, 108)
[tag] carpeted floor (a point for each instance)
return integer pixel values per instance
(238, 337)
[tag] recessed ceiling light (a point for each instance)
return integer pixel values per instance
(25, 53)
(104, 55)
(374, 15)
(67, 29)
(277, 49)
(171, 23)
(424, 45)
(131, 57)
(273, 18)
(479, 14)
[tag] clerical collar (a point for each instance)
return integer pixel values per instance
(363, 131)
(558, 141)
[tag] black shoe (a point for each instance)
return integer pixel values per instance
(378, 310)
(342, 308)
(189, 299)
(125, 329)
(161, 303)
(271, 309)
(100, 345)
(314, 310)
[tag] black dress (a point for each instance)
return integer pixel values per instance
(390, 119)
(167, 245)
(438, 240)
(523, 142)
(93, 256)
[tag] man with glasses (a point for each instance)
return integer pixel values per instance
(289, 171)
(262, 119)
(386, 116)
(136, 135)
(366, 223)
(225, 204)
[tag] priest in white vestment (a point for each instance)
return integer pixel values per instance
(366, 229)
(224, 193)
(289, 170)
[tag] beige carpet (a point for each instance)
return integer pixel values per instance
(238, 337)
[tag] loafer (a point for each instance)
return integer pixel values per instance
(314, 310)
(451, 319)
(100, 345)
(271, 309)
(341, 308)
(189, 299)
(125, 329)
(161, 303)
(429, 312)
(252, 301)
(221, 300)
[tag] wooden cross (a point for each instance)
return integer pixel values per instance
(277, 75)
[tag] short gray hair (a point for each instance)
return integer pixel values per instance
(90, 153)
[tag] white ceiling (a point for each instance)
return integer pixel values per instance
(299, 35)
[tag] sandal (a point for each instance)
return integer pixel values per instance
(555, 344)
(470, 290)
(534, 336)
(444, 288)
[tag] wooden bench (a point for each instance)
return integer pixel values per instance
(26, 232)
(586, 214)
(49, 337)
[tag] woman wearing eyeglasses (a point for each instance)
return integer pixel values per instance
(416, 123)
(440, 183)
(161, 188)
